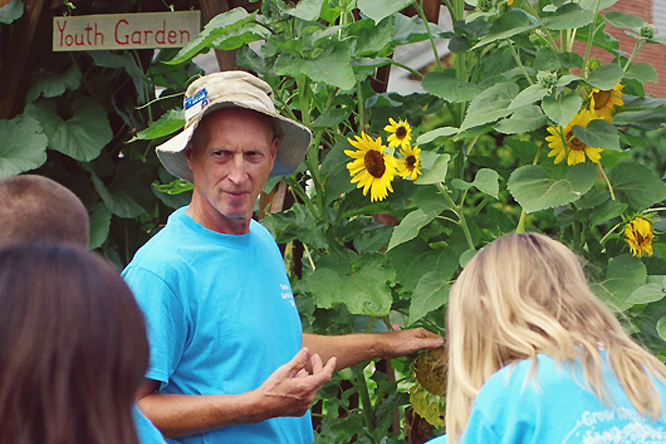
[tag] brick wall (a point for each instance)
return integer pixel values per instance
(652, 53)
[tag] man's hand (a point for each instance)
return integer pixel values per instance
(290, 390)
(406, 342)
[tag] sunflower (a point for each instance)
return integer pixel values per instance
(371, 168)
(575, 150)
(509, 2)
(401, 133)
(602, 102)
(409, 165)
(638, 234)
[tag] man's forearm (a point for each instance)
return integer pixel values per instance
(182, 415)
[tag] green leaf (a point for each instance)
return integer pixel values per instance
(433, 134)
(332, 66)
(449, 88)
(100, 222)
(624, 275)
(528, 96)
(647, 118)
(121, 205)
(661, 327)
(607, 211)
(534, 190)
(11, 11)
(410, 29)
(624, 20)
(378, 11)
(409, 227)
(637, 185)
(81, 137)
(430, 200)
(126, 61)
(591, 4)
(170, 122)
(569, 16)
(364, 292)
(431, 293)
(175, 187)
(23, 146)
(642, 72)
(490, 105)
(524, 120)
(434, 167)
(50, 84)
(213, 31)
(598, 134)
(566, 79)
(561, 112)
(606, 76)
(307, 9)
(512, 22)
(486, 181)
(646, 294)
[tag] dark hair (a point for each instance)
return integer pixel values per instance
(35, 207)
(73, 347)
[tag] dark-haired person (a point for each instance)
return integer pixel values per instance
(229, 360)
(73, 347)
(34, 207)
(535, 357)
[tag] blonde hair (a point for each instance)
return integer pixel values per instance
(525, 294)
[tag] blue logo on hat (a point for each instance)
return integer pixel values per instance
(200, 95)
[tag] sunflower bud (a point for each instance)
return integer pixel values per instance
(648, 30)
(486, 5)
(638, 234)
(546, 79)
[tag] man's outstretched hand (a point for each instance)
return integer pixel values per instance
(291, 388)
(406, 342)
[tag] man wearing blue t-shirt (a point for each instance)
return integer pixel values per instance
(229, 360)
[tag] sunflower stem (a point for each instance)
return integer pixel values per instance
(516, 57)
(431, 38)
(361, 114)
(296, 188)
(588, 46)
(637, 47)
(458, 210)
(368, 409)
(600, 168)
(521, 222)
(610, 231)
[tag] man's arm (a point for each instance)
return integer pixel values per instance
(289, 391)
(355, 348)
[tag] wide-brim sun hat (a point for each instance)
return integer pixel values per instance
(234, 89)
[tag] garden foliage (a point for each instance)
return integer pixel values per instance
(515, 130)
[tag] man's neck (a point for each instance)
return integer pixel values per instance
(212, 219)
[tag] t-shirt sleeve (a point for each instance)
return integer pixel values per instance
(165, 318)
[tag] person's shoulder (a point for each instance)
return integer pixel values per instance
(439, 440)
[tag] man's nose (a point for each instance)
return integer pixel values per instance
(238, 173)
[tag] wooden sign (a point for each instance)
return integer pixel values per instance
(125, 31)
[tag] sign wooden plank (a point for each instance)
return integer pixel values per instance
(125, 31)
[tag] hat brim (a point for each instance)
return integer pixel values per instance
(294, 142)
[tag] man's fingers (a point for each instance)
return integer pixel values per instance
(316, 363)
(297, 363)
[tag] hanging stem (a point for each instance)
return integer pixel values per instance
(603, 173)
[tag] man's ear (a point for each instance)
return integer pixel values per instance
(274, 144)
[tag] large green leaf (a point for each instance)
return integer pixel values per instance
(213, 32)
(409, 227)
(439, 132)
(23, 146)
(434, 167)
(512, 22)
(430, 200)
(431, 292)
(378, 11)
(490, 105)
(637, 185)
(524, 120)
(534, 190)
(363, 292)
(642, 72)
(449, 88)
(100, 222)
(661, 327)
(124, 60)
(49, 84)
(168, 123)
(412, 260)
(569, 16)
(81, 137)
(562, 111)
(528, 96)
(624, 20)
(486, 181)
(646, 294)
(307, 9)
(598, 134)
(119, 204)
(11, 11)
(606, 76)
(624, 275)
(331, 67)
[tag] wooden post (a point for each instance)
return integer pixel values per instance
(226, 60)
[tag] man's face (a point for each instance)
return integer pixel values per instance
(231, 156)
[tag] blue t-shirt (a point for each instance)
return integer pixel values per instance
(221, 318)
(553, 406)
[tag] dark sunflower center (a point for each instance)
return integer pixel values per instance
(602, 98)
(374, 163)
(574, 143)
(639, 238)
(410, 161)
(401, 132)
